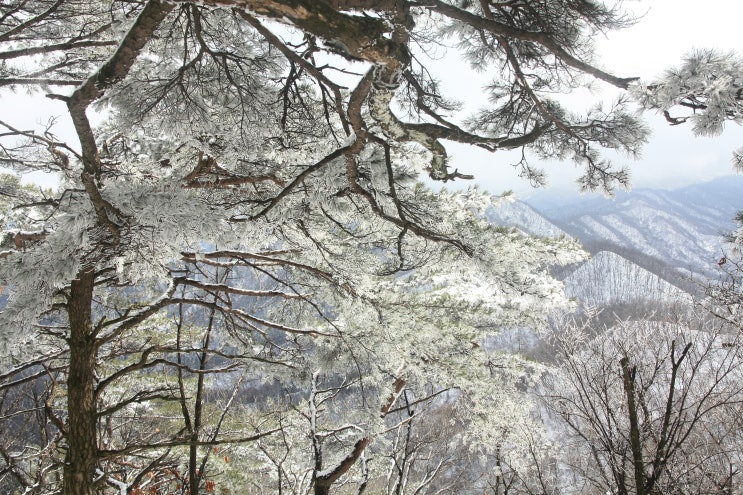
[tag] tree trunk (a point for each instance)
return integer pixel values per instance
(194, 473)
(81, 408)
(628, 379)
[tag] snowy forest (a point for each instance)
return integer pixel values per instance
(247, 280)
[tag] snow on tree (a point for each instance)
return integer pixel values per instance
(706, 90)
(284, 140)
(649, 407)
(723, 296)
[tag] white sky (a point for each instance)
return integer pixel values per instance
(673, 158)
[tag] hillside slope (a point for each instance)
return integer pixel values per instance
(608, 279)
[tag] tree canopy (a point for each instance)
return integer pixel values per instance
(259, 160)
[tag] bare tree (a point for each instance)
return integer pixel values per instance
(645, 405)
(31, 451)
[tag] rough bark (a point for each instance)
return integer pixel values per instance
(353, 36)
(82, 443)
(194, 473)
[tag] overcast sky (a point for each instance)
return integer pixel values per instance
(673, 158)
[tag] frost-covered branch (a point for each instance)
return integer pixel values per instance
(706, 90)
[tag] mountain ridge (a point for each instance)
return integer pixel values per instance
(681, 228)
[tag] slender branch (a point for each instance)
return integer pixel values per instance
(36, 50)
(299, 179)
(46, 81)
(32, 21)
(109, 453)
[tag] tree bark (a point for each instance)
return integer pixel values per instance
(628, 379)
(358, 37)
(322, 484)
(82, 453)
(195, 474)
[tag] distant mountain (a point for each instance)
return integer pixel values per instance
(610, 276)
(671, 233)
(644, 245)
